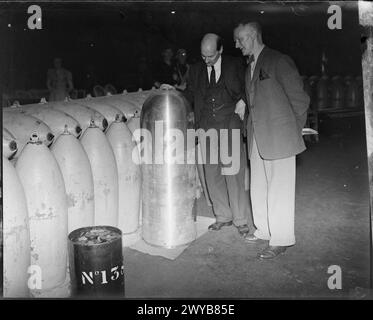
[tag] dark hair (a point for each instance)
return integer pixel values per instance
(219, 42)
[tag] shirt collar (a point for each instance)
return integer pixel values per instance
(217, 64)
(257, 52)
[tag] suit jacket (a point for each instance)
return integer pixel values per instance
(277, 106)
(233, 71)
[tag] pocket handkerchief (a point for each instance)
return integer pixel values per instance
(263, 75)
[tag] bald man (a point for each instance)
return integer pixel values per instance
(215, 88)
(277, 113)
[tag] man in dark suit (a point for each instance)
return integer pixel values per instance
(277, 113)
(216, 90)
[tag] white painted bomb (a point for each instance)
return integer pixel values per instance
(22, 127)
(128, 108)
(105, 176)
(76, 171)
(16, 235)
(81, 113)
(9, 144)
(55, 119)
(45, 192)
(138, 98)
(129, 175)
(134, 123)
(107, 110)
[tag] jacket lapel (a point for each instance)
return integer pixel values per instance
(258, 65)
(203, 78)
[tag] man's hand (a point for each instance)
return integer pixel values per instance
(240, 109)
(166, 86)
(181, 87)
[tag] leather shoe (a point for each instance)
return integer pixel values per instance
(271, 252)
(243, 230)
(250, 238)
(218, 225)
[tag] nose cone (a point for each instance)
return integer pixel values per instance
(169, 106)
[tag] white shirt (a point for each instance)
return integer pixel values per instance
(217, 67)
(256, 55)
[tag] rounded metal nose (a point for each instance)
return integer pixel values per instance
(104, 124)
(12, 145)
(50, 136)
(78, 130)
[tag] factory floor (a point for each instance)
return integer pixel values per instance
(332, 228)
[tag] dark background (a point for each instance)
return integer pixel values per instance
(110, 38)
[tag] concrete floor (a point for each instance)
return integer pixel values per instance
(332, 228)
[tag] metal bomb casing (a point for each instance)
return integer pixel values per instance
(105, 175)
(96, 262)
(100, 105)
(56, 120)
(77, 174)
(16, 235)
(134, 122)
(9, 144)
(129, 175)
(22, 127)
(168, 188)
(45, 192)
(128, 108)
(82, 114)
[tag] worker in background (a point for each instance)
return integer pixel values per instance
(181, 68)
(59, 81)
(164, 71)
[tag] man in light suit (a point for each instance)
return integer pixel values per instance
(277, 107)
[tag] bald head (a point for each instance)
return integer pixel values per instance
(211, 48)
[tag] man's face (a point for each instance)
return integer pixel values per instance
(168, 54)
(244, 40)
(181, 57)
(210, 54)
(57, 63)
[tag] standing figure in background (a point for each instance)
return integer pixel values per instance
(181, 68)
(164, 71)
(59, 81)
(277, 113)
(90, 79)
(145, 78)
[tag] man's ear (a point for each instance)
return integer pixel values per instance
(221, 50)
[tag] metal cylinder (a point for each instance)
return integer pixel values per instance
(337, 93)
(82, 114)
(352, 92)
(322, 93)
(105, 175)
(77, 174)
(168, 187)
(96, 262)
(45, 193)
(9, 144)
(129, 175)
(16, 235)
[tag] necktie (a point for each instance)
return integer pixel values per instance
(212, 76)
(250, 62)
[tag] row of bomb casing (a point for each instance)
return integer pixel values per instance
(74, 184)
(334, 93)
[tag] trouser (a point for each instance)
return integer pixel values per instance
(229, 199)
(272, 188)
